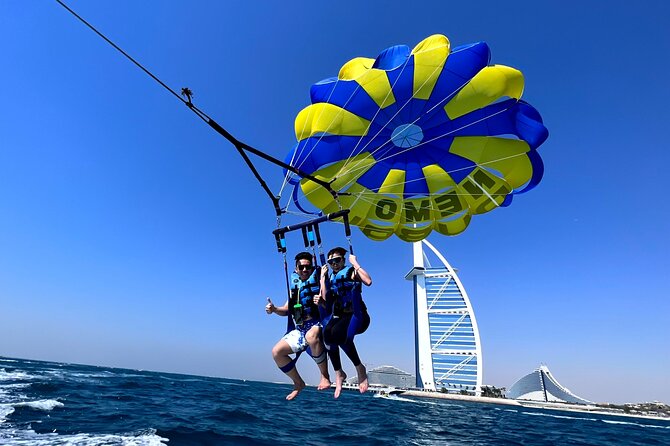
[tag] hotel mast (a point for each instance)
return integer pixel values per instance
(448, 351)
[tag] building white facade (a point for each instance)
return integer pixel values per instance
(387, 375)
(540, 385)
(448, 349)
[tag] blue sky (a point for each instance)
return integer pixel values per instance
(132, 235)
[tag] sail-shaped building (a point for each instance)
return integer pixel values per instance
(448, 349)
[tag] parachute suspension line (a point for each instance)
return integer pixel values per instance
(371, 154)
(347, 232)
(241, 147)
(339, 112)
(391, 119)
(317, 233)
(353, 151)
(288, 283)
(306, 157)
(308, 236)
(309, 233)
(354, 168)
(483, 164)
(302, 131)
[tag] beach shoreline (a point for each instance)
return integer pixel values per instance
(521, 404)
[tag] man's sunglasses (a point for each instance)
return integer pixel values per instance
(304, 267)
(334, 260)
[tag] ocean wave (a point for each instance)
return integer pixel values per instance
(540, 414)
(15, 386)
(15, 375)
(44, 387)
(76, 377)
(5, 411)
(635, 424)
(45, 405)
(147, 437)
(400, 398)
(187, 435)
(8, 360)
(234, 415)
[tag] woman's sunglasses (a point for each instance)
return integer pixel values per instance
(334, 260)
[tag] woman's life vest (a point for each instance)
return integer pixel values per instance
(344, 291)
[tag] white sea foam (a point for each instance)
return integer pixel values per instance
(234, 384)
(14, 376)
(635, 424)
(45, 405)
(15, 386)
(540, 414)
(5, 410)
(8, 360)
(399, 398)
(596, 419)
(92, 375)
(147, 437)
(8, 407)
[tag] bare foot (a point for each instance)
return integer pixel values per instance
(362, 378)
(340, 376)
(323, 384)
(297, 387)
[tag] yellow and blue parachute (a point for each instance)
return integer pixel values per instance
(418, 140)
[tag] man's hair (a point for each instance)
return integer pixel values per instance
(303, 256)
(339, 250)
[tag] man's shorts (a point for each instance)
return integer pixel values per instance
(296, 338)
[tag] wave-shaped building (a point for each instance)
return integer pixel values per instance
(448, 348)
(540, 385)
(387, 375)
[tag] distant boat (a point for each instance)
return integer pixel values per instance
(386, 391)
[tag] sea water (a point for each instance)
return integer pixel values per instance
(46, 403)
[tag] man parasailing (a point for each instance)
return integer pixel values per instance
(304, 323)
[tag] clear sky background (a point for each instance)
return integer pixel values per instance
(132, 235)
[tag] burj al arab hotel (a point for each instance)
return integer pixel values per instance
(448, 350)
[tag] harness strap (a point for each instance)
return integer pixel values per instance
(322, 257)
(288, 285)
(347, 231)
(319, 359)
(288, 367)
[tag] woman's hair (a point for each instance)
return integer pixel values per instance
(339, 250)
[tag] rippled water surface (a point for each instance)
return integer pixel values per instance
(45, 403)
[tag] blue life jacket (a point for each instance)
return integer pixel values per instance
(303, 292)
(345, 291)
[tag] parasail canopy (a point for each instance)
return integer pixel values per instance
(418, 140)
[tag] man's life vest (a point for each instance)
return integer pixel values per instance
(301, 303)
